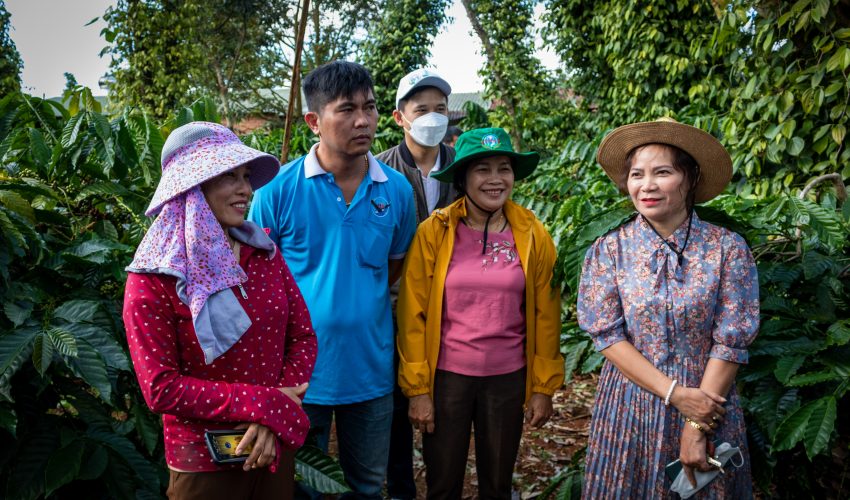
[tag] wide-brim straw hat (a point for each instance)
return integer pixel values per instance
(715, 165)
(196, 152)
(484, 142)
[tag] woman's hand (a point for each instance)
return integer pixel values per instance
(421, 412)
(694, 448)
(539, 409)
(295, 393)
(264, 450)
(703, 407)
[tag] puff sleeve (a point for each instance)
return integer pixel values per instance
(600, 311)
(736, 313)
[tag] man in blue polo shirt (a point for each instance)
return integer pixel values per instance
(343, 221)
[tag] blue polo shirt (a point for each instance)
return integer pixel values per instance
(338, 256)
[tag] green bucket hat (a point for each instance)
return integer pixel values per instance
(484, 142)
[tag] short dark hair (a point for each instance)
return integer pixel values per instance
(452, 132)
(459, 180)
(333, 80)
(682, 161)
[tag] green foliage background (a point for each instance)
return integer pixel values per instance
(10, 60)
(770, 79)
(73, 189)
(405, 30)
(164, 52)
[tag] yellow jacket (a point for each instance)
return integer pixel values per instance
(420, 303)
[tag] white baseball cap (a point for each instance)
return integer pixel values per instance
(419, 78)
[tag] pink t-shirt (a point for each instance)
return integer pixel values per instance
(483, 323)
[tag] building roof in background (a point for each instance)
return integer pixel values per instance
(458, 99)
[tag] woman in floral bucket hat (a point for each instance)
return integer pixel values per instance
(672, 302)
(218, 332)
(479, 320)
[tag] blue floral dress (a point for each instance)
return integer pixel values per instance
(633, 288)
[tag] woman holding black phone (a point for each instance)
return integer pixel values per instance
(220, 338)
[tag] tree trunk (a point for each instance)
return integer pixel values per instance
(318, 46)
(222, 95)
(501, 84)
(294, 82)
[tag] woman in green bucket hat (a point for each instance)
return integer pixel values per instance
(479, 320)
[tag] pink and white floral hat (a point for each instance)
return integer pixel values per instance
(197, 152)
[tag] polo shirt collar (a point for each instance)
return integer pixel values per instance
(312, 167)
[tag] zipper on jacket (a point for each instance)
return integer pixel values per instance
(242, 290)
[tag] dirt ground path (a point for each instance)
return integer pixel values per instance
(543, 452)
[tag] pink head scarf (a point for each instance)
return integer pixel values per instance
(186, 240)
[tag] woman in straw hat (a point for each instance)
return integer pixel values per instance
(671, 302)
(218, 332)
(479, 320)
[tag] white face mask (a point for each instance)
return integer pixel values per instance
(723, 454)
(428, 130)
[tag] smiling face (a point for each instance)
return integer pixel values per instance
(346, 125)
(229, 195)
(657, 188)
(490, 181)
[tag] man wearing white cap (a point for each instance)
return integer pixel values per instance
(422, 112)
(422, 109)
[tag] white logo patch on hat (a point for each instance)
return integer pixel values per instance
(490, 141)
(419, 76)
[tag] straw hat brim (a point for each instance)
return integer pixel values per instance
(714, 162)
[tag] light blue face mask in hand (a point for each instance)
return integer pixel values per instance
(723, 454)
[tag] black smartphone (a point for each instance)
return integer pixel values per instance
(222, 445)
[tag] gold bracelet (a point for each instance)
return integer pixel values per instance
(694, 425)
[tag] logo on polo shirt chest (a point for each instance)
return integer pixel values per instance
(380, 206)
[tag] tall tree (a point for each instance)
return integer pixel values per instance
(633, 62)
(513, 75)
(788, 117)
(335, 29)
(399, 42)
(243, 59)
(769, 77)
(10, 60)
(151, 60)
(165, 52)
